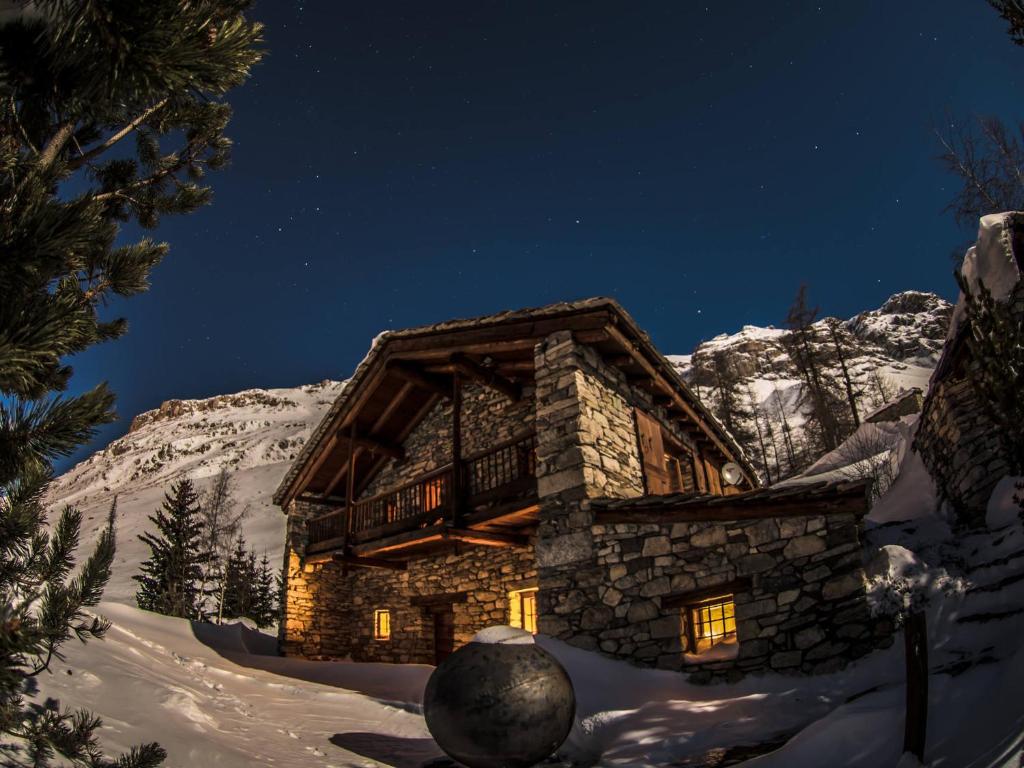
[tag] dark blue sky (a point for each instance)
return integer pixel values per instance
(403, 163)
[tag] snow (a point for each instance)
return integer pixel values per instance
(503, 635)
(991, 260)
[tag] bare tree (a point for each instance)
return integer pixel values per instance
(842, 355)
(787, 433)
(755, 413)
(989, 159)
(881, 387)
(222, 521)
(868, 454)
(807, 355)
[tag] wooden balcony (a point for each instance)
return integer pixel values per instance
(494, 486)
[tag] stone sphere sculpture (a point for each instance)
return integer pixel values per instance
(500, 701)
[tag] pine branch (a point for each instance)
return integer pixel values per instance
(95, 152)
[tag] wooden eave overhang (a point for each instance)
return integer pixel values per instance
(407, 372)
(821, 498)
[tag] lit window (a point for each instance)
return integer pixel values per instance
(712, 622)
(382, 624)
(522, 609)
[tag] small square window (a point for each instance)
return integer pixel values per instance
(382, 624)
(522, 609)
(711, 623)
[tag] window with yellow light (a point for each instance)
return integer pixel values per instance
(522, 609)
(711, 622)
(382, 624)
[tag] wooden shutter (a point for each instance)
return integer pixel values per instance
(652, 454)
(714, 480)
(698, 472)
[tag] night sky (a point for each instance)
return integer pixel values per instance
(405, 163)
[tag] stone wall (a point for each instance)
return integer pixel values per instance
(330, 615)
(798, 585)
(586, 448)
(956, 439)
(488, 418)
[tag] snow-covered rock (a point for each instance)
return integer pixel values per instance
(891, 349)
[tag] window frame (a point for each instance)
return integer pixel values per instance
(516, 598)
(692, 622)
(379, 634)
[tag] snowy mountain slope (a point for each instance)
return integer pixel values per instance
(891, 349)
(255, 433)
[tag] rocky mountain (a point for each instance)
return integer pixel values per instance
(887, 351)
(257, 433)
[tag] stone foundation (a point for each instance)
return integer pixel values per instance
(330, 615)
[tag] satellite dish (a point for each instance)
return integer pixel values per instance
(732, 474)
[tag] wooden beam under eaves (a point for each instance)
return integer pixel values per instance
(486, 538)
(473, 370)
(369, 562)
(380, 447)
(413, 373)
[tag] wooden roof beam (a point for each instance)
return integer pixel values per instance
(340, 474)
(380, 447)
(369, 562)
(417, 376)
(473, 370)
(486, 538)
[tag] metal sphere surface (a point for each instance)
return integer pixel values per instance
(496, 705)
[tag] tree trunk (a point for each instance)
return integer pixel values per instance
(850, 394)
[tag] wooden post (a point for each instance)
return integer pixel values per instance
(349, 489)
(456, 490)
(915, 637)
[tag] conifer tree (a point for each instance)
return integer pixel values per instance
(169, 582)
(81, 82)
(265, 605)
(238, 582)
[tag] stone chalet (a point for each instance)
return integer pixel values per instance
(548, 468)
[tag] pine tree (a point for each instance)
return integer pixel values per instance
(170, 578)
(265, 604)
(237, 582)
(82, 82)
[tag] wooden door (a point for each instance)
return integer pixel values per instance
(444, 631)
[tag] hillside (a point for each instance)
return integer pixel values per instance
(258, 432)
(889, 350)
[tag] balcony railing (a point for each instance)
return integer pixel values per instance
(506, 471)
